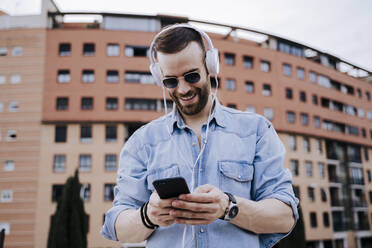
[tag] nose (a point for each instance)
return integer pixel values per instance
(183, 86)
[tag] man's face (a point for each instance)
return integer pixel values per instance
(190, 99)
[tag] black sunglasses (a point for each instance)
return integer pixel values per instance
(190, 77)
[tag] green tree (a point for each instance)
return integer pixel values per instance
(69, 224)
(297, 237)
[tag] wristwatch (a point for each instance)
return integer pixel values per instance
(232, 210)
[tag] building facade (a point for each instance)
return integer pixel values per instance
(72, 93)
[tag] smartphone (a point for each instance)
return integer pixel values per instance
(171, 187)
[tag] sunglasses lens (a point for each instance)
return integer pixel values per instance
(192, 78)
(170, 82)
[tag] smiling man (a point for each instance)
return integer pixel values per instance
(241, 195)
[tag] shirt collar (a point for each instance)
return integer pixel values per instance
(177, 121)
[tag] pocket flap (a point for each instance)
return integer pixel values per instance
(238, 170)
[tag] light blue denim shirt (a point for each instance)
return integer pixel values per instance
(243, 156)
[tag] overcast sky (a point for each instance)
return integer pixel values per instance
(340, 27)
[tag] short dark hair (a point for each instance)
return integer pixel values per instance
(176, 39)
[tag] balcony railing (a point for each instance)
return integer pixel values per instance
(359, 203)
(339, 227)
(336, 202)
(361, 226)
(335, 179)
(358, 181)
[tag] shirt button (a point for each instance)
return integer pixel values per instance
(239, 176)
(201, 230)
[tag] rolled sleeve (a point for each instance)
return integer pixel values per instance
(131, 190)
(271, 179)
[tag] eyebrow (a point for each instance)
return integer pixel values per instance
(192, 70)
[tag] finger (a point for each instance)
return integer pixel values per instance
(198, 197)
(195, 206)
(204, 188)
(192, 215)
(193, 221)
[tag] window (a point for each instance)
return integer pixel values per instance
(310, 191)
(250, 109)
(296, 191)
(229, 58)
(140, 104)
(17, 51)
(85, 190)
(230, 84)
(9, 165)
(321, 170)
(88, 49)
(248, 61)
(109, 192)
(6, 227)
(214, 82)
(139, 77)
(88, 76)
(111, 133)
(369, 175)
(319, 146)
(313, 77)
(366, 154)
(113, 50)
(112, 76)
(323, 193)
(6, 195)
(61, 134)
(368, 96)
(87, 103)
(13, 106)
(269, 113)
(359, 93)
(249, 87)
(370, 197)
(231, 105)
(1, 107)
(309, 168)
(110, 162)
(324, 81)
(64, 49)
(136, 51)
(11, 135)
(111, 103)
(300, 73)
(3, 51)
(369, 115)
(287, 69)
(64, 76)
(85, 162)
(360, 113)
(292, 143)
(317, 121)
(2, 79)
(304, 119)
(266, 91)
(291, 116)
(59, 164)
(288, 93)
(315, 99)
(62, 103)
(15, 79)
(303, 96)
(85, 133)
(326, 219)
(294, 167)
(306, 144)
(265, 66)
(57, 190)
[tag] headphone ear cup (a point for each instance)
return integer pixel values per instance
(212, 61)
(155, 71)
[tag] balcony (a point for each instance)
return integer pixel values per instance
(362, 226)
(339, 227)
(359, 203)
(335, 202)
(358, 181)
(335, 179)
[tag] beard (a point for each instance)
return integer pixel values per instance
(195, 108)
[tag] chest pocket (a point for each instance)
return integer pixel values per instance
(236, 177)
(161, 173)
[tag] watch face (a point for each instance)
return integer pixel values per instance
(233, 212)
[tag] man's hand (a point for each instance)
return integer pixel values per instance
(158, 210)
(202, 207)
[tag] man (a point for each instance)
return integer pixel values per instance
(238, 153)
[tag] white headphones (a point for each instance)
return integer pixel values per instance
(211, 56)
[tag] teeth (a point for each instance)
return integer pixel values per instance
(187, 98)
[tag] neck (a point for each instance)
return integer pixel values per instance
(201, 117)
